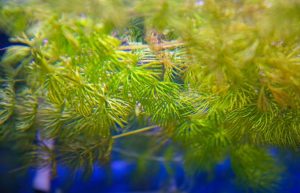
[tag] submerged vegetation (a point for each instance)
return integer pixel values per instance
(216, 79)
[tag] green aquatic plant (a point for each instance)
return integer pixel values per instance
(217, 79)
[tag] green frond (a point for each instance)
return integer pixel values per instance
(26, 110)
(212, 142)
(55, 86)
(255, 169)
(7, 103)
(50, 119)
(117, 110)
(14, 55)
(189, 131)
(213, 147)
(161, 101)
(83, 154)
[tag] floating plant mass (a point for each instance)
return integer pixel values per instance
(208, 80)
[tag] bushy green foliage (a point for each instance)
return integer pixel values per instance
(219, 78)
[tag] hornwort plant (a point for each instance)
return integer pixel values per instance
(211, 79)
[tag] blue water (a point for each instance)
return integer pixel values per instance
(120, 177)
(120, 181)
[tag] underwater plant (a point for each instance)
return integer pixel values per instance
(215, 79)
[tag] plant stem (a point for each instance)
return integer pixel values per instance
(16, 80)
(158, 46)
(134, 132)
(150, 158)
